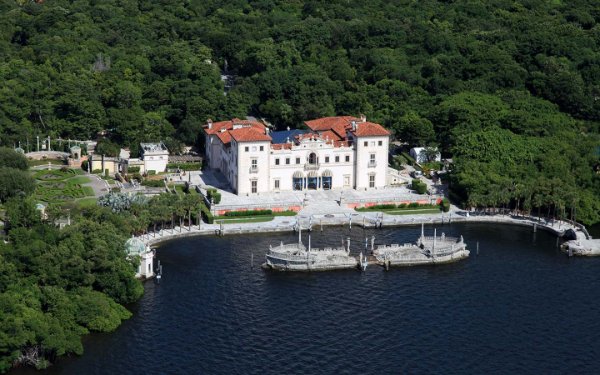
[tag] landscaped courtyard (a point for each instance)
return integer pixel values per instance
(60, 186)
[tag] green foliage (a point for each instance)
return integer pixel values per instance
(107, 148)
(397, 207)
(15, 182)
(445, 205)
(206, 214)
(214, 195)
(154, 183)
(419, 186)
(185, 166)
(12, 159)
(249, 213)
(57, 285)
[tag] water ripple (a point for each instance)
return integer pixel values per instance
(517, 307)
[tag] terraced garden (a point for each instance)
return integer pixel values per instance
(61, 185)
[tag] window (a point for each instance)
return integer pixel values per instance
(346, 180)
(297, 160)
(276, 161)
(254, 163)
(347, 158)
(276, 184)
(262, 148)
(326, 159)
(246, 148)
(366, 143)
(372, 181)
(337, 159)
(254, 184)
(287, 160)
(381, 143)
(372, 158)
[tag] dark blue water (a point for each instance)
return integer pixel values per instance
(519, 306)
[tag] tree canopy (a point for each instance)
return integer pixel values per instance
(431, 71)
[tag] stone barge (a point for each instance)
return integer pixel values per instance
(296, 257)
(582, 247)
(426, 251)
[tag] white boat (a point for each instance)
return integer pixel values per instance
(297, 257)
(427, 250)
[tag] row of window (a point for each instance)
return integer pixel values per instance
(326, 183)
(327, 160)
(379, 143)
(247, 148)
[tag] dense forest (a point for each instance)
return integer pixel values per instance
(509, 89)
(57, 285)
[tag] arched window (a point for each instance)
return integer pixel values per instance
(312, 158)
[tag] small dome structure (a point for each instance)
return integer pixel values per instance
(75, 152)
(135, 246)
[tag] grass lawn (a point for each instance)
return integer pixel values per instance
(86, 202)
(78, 180)
(246, 219)
(413, 211)
(58, 186)
(285, 213)
(57, 174)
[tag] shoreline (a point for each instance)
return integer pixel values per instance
(364, 220)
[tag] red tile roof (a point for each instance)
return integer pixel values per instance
(370, 129)
(327, 123)
(249, 135)
(225, 137)
(342, 124)
(228, 125)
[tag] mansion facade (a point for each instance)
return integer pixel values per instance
(341, 152)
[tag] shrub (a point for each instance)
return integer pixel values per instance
(185, 166)
(133, 169)
(249, 213)
(419, 186)
(445, 205)
(206, 214)
(215, 195)
(153, 183)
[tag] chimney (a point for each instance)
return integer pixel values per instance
(353, 125)
(209, 123)
(288, 128)
(363, 118)
(266, 130)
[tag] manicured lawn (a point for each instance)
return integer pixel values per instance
(57, 174)
(86, 202)
(59, 186)
(247, 219)
(79, 180)
(413, 211)
(285, 213)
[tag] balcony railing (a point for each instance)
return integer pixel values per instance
(254, 169)
(311, 167)
(372, 164)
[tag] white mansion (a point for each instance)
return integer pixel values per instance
(337, 152)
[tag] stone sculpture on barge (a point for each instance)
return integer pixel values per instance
(296, 257)
(427, 250)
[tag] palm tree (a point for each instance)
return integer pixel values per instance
(192, 203)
